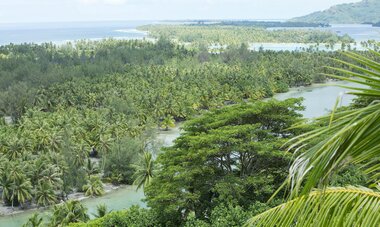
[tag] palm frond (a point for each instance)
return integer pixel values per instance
(350, 206)
(353, 136)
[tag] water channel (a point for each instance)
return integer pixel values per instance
(318, 100)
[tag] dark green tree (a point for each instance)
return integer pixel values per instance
(231, 155)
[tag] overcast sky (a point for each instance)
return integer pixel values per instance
(14, 11)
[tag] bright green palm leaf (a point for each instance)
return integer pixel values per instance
(353, 137)
(350, 206)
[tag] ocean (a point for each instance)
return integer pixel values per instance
(69, 31)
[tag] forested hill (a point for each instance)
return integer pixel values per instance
(366, 11)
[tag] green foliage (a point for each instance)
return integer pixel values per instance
(229, 155)
(330, 207)
(229, 216)
(347, 139)
(101, 100)
(69, 212)
(45, 194)
(168, 122)
(235, 35)
(34, 221)
(101, 211)
(48, 152)
(15, 100)
(272, 24)
(144, 170)
(351, 175)
(134, 216)
(351, 137)
(120, 159)
(192, 221)
(94, 186)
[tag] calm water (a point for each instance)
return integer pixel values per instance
(64, 32)
(359, 32)
(320, 99)
(117, 200)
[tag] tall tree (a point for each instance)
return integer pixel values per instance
(229, 155)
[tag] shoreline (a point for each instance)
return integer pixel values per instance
(79, 196)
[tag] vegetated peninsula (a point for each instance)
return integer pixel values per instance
(366, 11)
(237, 34)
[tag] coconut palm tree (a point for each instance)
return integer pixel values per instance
(168, 122)
(34, 221)
(53, 175)
(69, 212)
(94, 186)
(6, 186)
(45, 194)
(21, 191)
(144, 171)
(353, 136)
(101, 210)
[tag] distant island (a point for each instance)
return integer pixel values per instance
(366, 11)
(273, 24)
(252, 23)
(236, 34)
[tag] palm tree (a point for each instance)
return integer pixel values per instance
(53, 175)
(353, 136)
(91, 168)
(94, 187)
(168, 122)
(45, 194)
(69, 212)
(21, 191)
(6, 186)
(101, 210)
(144, 171)
(34, 221)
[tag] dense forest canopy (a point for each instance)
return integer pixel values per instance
(85, 114)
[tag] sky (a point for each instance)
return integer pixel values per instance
(21, 11)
